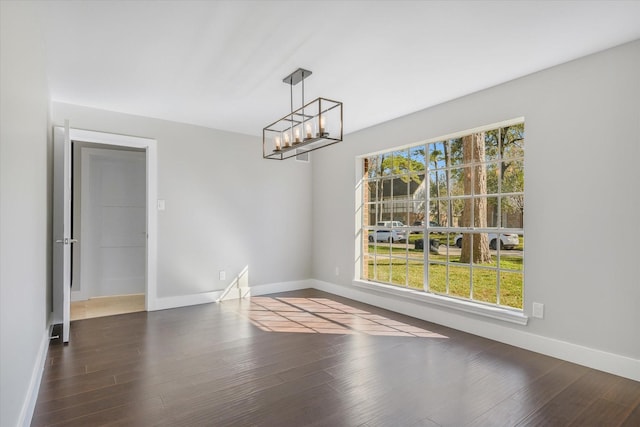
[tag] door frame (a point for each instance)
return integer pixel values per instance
(151, 154)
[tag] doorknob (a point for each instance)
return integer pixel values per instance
(67, 241)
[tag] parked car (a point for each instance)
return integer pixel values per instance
(394, 224)
(388, 235)
(421, 224)
(507, 241)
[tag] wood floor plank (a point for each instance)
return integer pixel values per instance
(633, 418)
(601, 412)
(569, 404)
(351, 364)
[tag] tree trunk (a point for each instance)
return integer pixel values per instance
(478, 250)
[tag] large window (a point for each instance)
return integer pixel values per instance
(446, 217)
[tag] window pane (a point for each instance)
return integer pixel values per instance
(486, 212)
(511, 259)
(416, 274)
(493, 218)
(385, 213)
(485, 283)
(385, 164)
(383, 269)
(512, 214)
(367, 269)
(435, 247)
(399, 272)
(416, 248)
(457, 209)
(459, 281)
(400, 213)
(513, 141)
(455, 152)
(493, 177)
(373, 166)
(402, 187)
(437, 184)
(491, 149)
(477, 146)
(460, 181)
(513, 176)
(416, 215)
(385, 189)
(452, 249)
(371, 191)
(437, 158)
(438, 213)
(417, 158)
(370, 214)
(400, 162)
(417, 187)
(511, 289)
(438, 278)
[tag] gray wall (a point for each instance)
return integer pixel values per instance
(581, 219)
(226, 207)
(24, 224)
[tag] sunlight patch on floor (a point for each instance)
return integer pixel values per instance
(325, 316)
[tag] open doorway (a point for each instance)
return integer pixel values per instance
(64, 239)
(109, 217)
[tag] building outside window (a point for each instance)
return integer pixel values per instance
(446, 217)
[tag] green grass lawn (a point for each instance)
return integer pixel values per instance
(411, 271)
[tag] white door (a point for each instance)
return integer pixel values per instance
(62, 239)
(114, 225)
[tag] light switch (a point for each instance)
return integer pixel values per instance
(160, 204)
(538, 310)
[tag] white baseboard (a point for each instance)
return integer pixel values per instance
(26, 413)
(164, 303)
(603, 361)
(272, 288)
(78, 296)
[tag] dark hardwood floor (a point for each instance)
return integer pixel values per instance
(310, 358)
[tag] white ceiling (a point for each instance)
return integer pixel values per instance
(220, 64)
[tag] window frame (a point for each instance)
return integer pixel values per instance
(490, 309)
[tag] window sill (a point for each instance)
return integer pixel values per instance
(503, 314)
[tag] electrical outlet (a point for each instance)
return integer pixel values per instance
(337, 271)
(538, 310)
(223, 275)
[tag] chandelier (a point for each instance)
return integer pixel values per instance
(315, 125)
